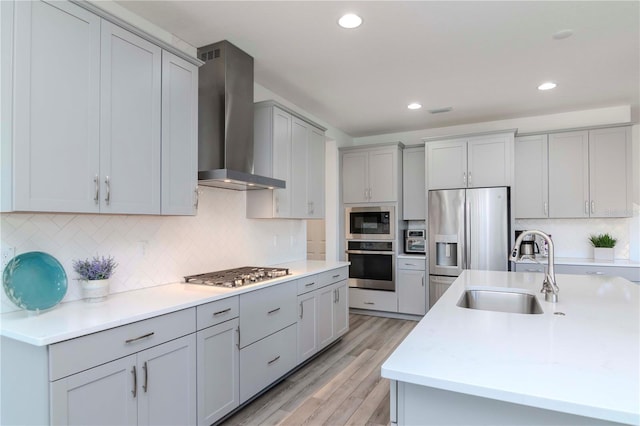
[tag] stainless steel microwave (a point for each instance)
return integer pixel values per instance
(370, 223)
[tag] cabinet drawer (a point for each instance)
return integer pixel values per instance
(216, 312)
(316, 281)
(373, 300)
(266, 311)
(266, 361)
(631, 274)
(414, 264)
(75, 355)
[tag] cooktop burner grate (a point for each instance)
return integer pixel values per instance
(237, 277)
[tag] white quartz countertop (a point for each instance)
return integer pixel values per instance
(584, 262)
(585, 362)
(74, 319)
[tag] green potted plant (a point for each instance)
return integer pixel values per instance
(94, 276)
(603, 246)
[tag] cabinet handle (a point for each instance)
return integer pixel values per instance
(335, 276)
(301, 310)
(107, 199)
(139, 338)
(422, 281)
(238, 330)
(338, 295)
(369, 303)
(273, 360)
(197, 197)
(410, 264)
(593, 206)
(464, 178)
(135, 381)
(595, 273)
(146, 377)
(534, 270)
(277, 205)
(470, 179)
(221, 312)
(310, 284)
(586, 207)
(96, 182)
(545, 206)
(335, 297)
(273, 311)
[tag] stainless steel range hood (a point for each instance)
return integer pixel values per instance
(225, 120)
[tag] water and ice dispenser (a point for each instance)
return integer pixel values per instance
(447, 250)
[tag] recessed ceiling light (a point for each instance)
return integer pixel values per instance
(562, 34)
(350, 20)
(547, 86)
(414, 105)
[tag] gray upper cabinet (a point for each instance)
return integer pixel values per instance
(91, 118)
(413, 184)
(57, 106)
(179, 136)
(372, 174)
(569, 174)
(531, 197)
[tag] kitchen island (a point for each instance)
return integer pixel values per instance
(576, 363)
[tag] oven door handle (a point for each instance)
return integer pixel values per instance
(390, 253)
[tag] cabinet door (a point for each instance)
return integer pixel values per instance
(413, 184)
(383, 175)
(218, 371)
(447, 164)
(179, 135)
(315, 171)
(340, 309)
(326, 329)
(355, 177)
(56, 107)
(129, 122)
(307, 326)
(489, 161)
(300, 134)
(412, 297)
(569, 175)
(282, 122)
(167, 383)
(531, 189)
(103, 395)
(610, 172)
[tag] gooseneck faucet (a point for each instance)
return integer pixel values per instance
(549, 286)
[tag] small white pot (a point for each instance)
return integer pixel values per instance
(95, 290)
(603, 253)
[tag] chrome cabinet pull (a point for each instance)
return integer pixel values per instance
(107, 182)
(273, 311)
(221, 312)
(139, 338)
(534, 270)
(422, 281)
(595, 272)
(369, 303)
(470, 179)
(238, 330)
(96, 181)
(197, 196)
(135, 381)
(335, 276)
(546, 208)
(338, 294)
(273, 360)
(464, 178)
(310, 284)
(593, 206)
(586, 207)
(146, 377)
(301, 310)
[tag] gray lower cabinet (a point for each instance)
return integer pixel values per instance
(629, 273)
(411, 286)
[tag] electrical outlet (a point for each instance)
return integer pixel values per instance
(7, 254)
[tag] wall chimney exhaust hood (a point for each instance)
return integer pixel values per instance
(225, 120)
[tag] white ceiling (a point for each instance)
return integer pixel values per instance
(484, 59)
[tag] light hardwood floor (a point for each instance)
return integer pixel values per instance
(342, 386)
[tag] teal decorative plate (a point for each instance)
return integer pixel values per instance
(34, 281)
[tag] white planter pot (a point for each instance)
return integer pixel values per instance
(95, 290)
(603, 253)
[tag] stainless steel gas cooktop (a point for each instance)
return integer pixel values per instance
(237, 277)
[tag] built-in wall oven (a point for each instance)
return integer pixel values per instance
(372, 264)
(370, 223)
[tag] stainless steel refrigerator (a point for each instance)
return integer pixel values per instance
(468, 229)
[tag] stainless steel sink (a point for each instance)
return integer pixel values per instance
(500, 301)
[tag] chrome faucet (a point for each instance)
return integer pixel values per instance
(549, 286)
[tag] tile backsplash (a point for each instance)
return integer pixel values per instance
(155, 250)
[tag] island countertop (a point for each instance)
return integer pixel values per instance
(581, 356)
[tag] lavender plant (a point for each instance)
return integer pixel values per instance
(98, 268)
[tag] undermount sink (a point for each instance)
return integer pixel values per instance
(500, 301)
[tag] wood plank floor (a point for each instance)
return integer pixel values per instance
(342, 386)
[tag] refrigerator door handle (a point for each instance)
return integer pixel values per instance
(467, 245)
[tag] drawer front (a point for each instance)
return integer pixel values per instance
(266, 361)
(266, 311)
(373, 300)
(631, 274)
(322, 279)
(412, 264)
(75, 355)
(217, 312)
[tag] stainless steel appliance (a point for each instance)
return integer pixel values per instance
(370, 223)
(468, 229)
(372, 264)
(237, 277)
(415, 241)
